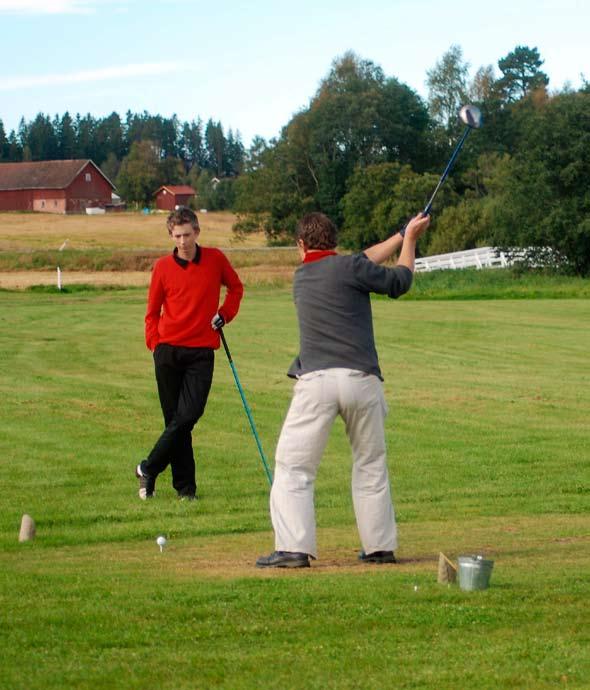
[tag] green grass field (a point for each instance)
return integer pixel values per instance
(488, 439)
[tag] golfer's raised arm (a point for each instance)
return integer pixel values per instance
(383, 251)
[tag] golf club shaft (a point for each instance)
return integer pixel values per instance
(447, 169)
(246, 407)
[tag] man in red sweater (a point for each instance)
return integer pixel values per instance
(181, 323)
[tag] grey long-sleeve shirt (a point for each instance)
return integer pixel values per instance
(332, 298)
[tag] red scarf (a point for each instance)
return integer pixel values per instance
(317, 255)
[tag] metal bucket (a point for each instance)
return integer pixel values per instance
(474, 572)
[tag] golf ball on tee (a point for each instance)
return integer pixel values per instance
(161, 541)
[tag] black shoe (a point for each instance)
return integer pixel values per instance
(147, 484)
(377, 557)
(283, 559)
(186, 497)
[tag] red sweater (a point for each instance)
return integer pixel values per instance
(184, 297)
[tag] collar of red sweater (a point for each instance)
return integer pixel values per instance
(316, 255)
(183, 263)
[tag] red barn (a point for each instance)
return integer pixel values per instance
(169, 196)
(68, 186)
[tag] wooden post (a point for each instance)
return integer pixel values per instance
(27, 528)
(447, 571)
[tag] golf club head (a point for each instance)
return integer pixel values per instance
(470, 115)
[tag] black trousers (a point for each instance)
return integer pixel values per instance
(184, 376)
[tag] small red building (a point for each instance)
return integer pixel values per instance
(169, 196)
(68, 186)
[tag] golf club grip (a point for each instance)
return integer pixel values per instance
(225, 347)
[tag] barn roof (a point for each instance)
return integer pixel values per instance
(176, 189)
(43, 174)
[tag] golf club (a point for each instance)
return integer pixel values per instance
(470, 115)
(246, 407)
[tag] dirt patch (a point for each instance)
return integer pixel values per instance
(20, 280)
(228, 558)
(233, 556)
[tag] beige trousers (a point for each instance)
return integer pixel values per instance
(318, 398)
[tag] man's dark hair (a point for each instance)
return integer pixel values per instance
(317, 231)
(181, 216)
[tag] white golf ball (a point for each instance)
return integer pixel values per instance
(161, 541)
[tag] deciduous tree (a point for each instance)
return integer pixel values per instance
(541, 198)
(447, 88)
(357, 117)
(140, 175)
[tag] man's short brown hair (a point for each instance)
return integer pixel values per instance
(316, 231)
(181, 216)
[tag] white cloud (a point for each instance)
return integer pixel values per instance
(86, 76)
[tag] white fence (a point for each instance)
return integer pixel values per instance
(484, 257)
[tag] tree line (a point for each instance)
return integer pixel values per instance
(138, 153)
(368, 151)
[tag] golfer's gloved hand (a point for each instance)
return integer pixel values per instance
(217, 322)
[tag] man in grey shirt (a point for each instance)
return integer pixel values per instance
(337, 372)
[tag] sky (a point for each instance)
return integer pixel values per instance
(253, 65)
